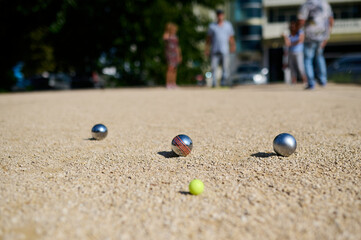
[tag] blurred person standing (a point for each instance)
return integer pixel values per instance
(173, 54)
(219, 43)
(285, 68)
(294, 42)
(317, 18)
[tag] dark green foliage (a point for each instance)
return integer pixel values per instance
(71, 35)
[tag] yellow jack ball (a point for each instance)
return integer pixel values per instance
(196, 187)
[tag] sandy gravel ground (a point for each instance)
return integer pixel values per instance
(55, 183)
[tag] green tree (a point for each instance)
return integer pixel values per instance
(72, 35)
(23, 29)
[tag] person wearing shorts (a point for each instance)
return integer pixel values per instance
(295, 52)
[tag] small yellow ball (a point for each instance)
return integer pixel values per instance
(196, 187)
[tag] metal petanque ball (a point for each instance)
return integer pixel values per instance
(182, 145)
(284, 144)
(99, 131)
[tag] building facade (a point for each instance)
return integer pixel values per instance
(246, 16)
(259, 25)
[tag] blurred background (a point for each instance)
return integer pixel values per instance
(69, 44)
(260, 23)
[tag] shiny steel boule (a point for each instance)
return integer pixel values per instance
(284, 144)
(99, 131)
(182, 145)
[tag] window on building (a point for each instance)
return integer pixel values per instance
(245, 9)
(253, 12)
(346, 11)
(250, 30)
(340, 11)
(282, 14)
(250, 45)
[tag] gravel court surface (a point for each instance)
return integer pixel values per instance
(57, 183)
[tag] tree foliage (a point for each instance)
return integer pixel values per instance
(72, 35)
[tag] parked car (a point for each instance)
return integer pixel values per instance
(50, 81)
(249, 74)
(84, 80)
(59, 81)
(346, 69)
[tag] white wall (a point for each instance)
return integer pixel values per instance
(278, 3)
(274, 30)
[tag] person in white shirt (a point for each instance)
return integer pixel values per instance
(220, 42)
